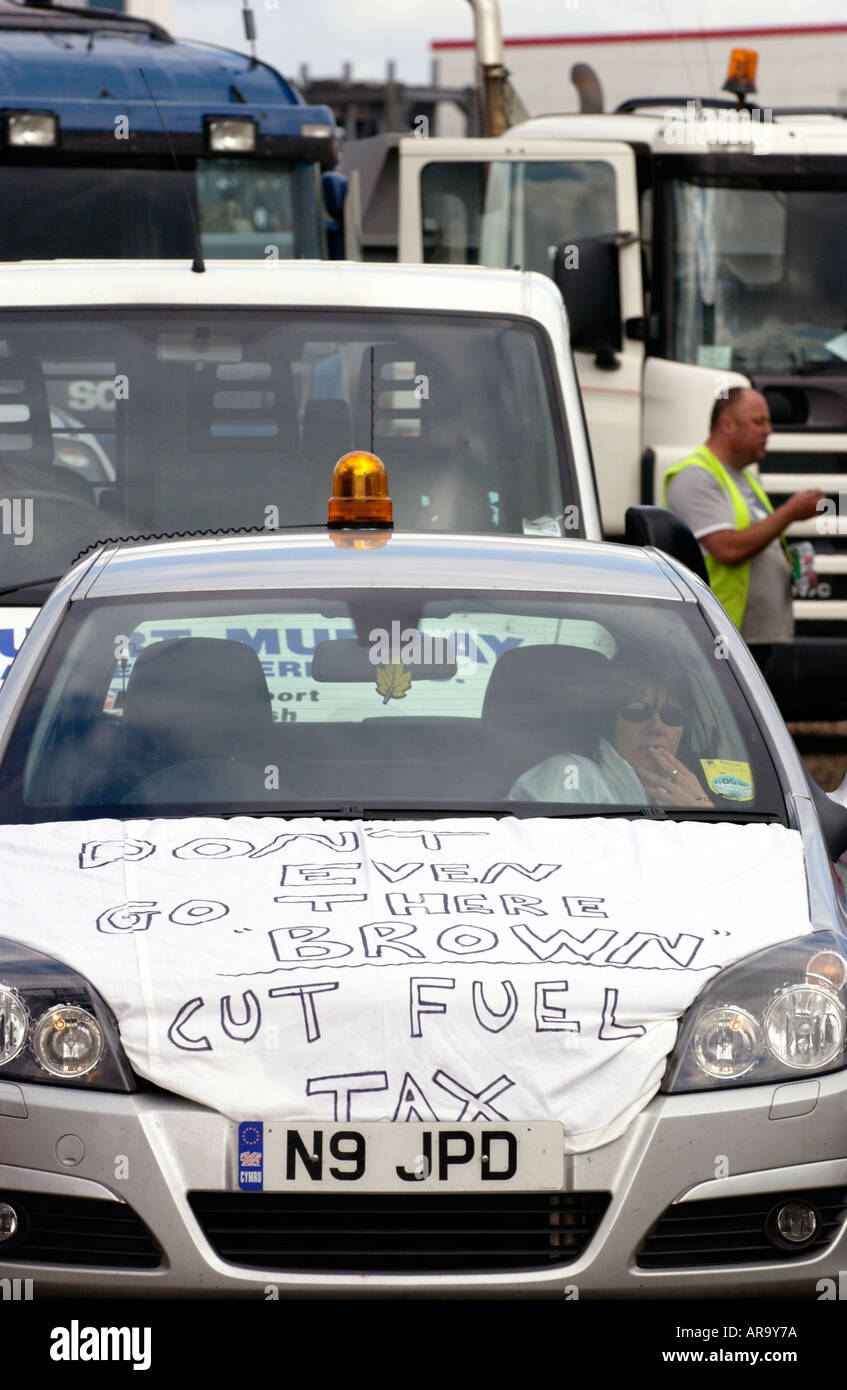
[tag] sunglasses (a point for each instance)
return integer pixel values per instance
(639, 712)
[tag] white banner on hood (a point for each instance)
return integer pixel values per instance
(452, 970)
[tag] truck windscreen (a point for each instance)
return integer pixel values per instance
(122, 422)
(758, 275)
(84, 210)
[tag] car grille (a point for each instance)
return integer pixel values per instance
(732, 1230)
(78, 1231)
(457, 1233)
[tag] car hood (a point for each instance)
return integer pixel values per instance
(467, 969)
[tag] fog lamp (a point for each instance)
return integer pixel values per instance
(67, 1041)
(793, 1223)
(228, 136)
(8, 1221)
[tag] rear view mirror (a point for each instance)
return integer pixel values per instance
(341, 659)
(663, 529)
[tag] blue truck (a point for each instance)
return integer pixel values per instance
(121, 141)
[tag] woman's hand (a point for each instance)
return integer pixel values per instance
(668, 782)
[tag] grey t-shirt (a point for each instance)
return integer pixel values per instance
(706, 507)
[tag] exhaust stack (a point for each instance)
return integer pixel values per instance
(493, 77)
(588, 88)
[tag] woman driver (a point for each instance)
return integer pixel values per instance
(647, 733)
(637, 764)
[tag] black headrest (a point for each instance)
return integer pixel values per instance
(244, 408)
(29, 440)
(196, 697)
(554, 692)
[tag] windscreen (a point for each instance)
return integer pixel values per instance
(121, 424)
(81, 210)
(758, 272)
(385, 700)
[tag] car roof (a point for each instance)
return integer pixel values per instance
(420, 561)
(349, 284)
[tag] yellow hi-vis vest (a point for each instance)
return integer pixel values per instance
(730, 583)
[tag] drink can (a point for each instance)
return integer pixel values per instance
(802, 568)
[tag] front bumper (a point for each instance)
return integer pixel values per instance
(150, 1150)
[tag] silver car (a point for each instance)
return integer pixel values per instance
(446, 916)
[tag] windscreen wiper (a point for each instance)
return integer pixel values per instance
(51, 579)
(554, 811)
(397, 810)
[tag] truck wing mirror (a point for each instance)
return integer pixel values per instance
(587, 275)
(663, 529)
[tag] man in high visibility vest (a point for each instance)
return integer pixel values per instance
(739, 531)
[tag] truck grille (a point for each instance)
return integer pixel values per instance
(78, 1231)
(455, 1233)
(732, 1230)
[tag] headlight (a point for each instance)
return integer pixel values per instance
(32, 129)
(775, 1016)
(226, 135)
(67, 1041)
(54, 1027)
(804, 1028)
(13, 1024)
(726, 1042)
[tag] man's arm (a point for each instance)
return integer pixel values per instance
(734, 547)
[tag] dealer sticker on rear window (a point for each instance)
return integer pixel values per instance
(728, 779)
(250, 1156)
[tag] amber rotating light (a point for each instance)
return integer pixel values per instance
(741, 73)
(359, 492)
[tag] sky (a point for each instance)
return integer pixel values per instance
(324, 34)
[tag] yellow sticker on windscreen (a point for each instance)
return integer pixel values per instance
(393, 680)
(729, 779)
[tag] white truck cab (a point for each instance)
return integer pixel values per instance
(143, 399)
(699, 245)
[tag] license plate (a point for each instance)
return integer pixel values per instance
(280, 1157)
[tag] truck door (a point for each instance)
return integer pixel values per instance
(511, 202)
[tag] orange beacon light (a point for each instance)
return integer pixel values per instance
(359, 492)
(741, 73)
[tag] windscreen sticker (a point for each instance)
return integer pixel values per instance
(729, 779)
(392, 681)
